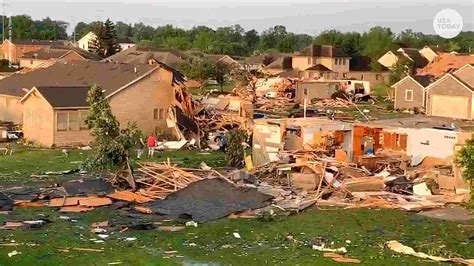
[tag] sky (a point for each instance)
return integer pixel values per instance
(299, 16)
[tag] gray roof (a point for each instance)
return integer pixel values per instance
(109, 76)
(141, 55)
(65, 96)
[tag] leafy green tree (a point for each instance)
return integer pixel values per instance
(111, 145)
(403, 67)
(123, 30)
(465, 159)
(105, 44)
(377, 41)
(199, 69)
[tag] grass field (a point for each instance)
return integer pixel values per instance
(263, 241)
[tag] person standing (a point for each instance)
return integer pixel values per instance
(151, 144)
(140, 147)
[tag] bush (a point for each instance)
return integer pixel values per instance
(465, 159)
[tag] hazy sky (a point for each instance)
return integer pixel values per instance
(300, 16)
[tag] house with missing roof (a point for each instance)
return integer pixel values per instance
(48, 56)
(50, 102)
(419, 57)
(20, 47)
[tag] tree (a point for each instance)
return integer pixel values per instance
(465, 159)
(222, 71)
(403, 67)
(235, 150)
(123, 30)
(105, 44)
(377, 41)
(199, 69)
(111, 145)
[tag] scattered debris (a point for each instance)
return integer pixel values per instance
(400, 248)
(13, 253)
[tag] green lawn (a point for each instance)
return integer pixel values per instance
(263, 241)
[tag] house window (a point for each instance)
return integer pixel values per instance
(336, 74)
(344, 75)
(62, 121)
(155, 114)
(82, 120)
(336, 61)
(69, 121)
(161, 114)
(362, 76)
(31, 62)
(73, 124)
(309, 60)
(409, 95)
(305, 91)
(378, 76)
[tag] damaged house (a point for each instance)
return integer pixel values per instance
(53, 100)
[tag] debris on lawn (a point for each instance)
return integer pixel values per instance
(13, 253)
(403, 249)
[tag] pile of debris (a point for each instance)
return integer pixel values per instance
(332, 103)
(312, 177)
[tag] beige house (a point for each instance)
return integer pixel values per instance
(327, 55)
(55, 115)
(419, 57)
(86, 41)
(452, 95)
(110, 76)
(410, 92)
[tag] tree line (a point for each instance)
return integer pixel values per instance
(235, 40)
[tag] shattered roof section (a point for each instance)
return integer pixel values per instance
(283, 63)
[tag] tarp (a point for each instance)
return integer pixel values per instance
(207, 200)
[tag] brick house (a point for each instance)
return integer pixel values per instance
(54, 114)
(410, 92)
(452, 95)
(110, 76)
(20, 47)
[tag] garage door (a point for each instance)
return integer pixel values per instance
(450, 106)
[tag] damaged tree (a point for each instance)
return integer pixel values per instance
(235, 149)
(111, 145)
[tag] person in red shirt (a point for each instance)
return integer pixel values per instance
(151, 144)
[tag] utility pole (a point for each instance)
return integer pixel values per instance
(10, 46)
(3, 20)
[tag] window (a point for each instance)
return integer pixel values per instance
(409, 95)
(73, 124)
(362, 76)
(62, 121)
(305, 91)
(82, 120)
(336, 62)
(31, 62)
(162, 114)
(344, 75)
(309, 60)
(378, 76)
(71, 121)
(336, 74)
(155, 114)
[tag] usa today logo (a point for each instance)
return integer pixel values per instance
(447, 23)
